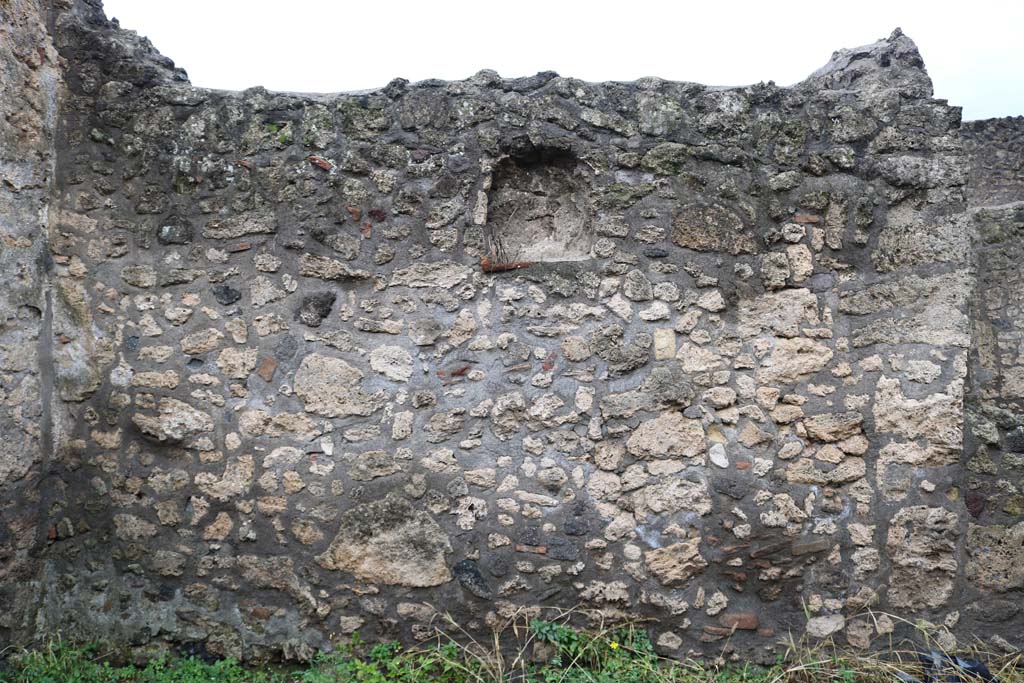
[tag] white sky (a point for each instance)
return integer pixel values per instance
(973, 49)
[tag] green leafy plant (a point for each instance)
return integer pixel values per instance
(523, 650)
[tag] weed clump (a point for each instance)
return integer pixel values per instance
(523, 650)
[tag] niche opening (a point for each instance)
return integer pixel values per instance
(538, 207)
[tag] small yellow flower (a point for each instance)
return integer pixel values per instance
(613, 645)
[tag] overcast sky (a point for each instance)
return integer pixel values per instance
(974, 50)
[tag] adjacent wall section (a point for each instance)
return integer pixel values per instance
(994, 453)
(30, 82)
(714, 357)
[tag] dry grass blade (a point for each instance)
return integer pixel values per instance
(892, 660)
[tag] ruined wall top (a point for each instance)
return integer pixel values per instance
(996, 149)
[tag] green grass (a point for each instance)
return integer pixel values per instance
(622, 655)
(87, 664)
(536, 651)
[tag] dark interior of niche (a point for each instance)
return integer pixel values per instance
(538, 207)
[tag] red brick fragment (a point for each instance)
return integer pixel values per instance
(320, 162)
(746, 621)
(489, 266)
(267, 368)
(535, 549)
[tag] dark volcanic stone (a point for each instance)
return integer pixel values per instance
(471, 579)
(174, 231)
(498, 566)
(530, 536)
(315, 307)
(1015, 440)
(993, 611)
(226, 295)
(975, 503)
(577, 524)
(734, 487)
(563, 549)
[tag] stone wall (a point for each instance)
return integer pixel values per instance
(319, 364)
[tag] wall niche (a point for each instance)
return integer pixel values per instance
(538, 207)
